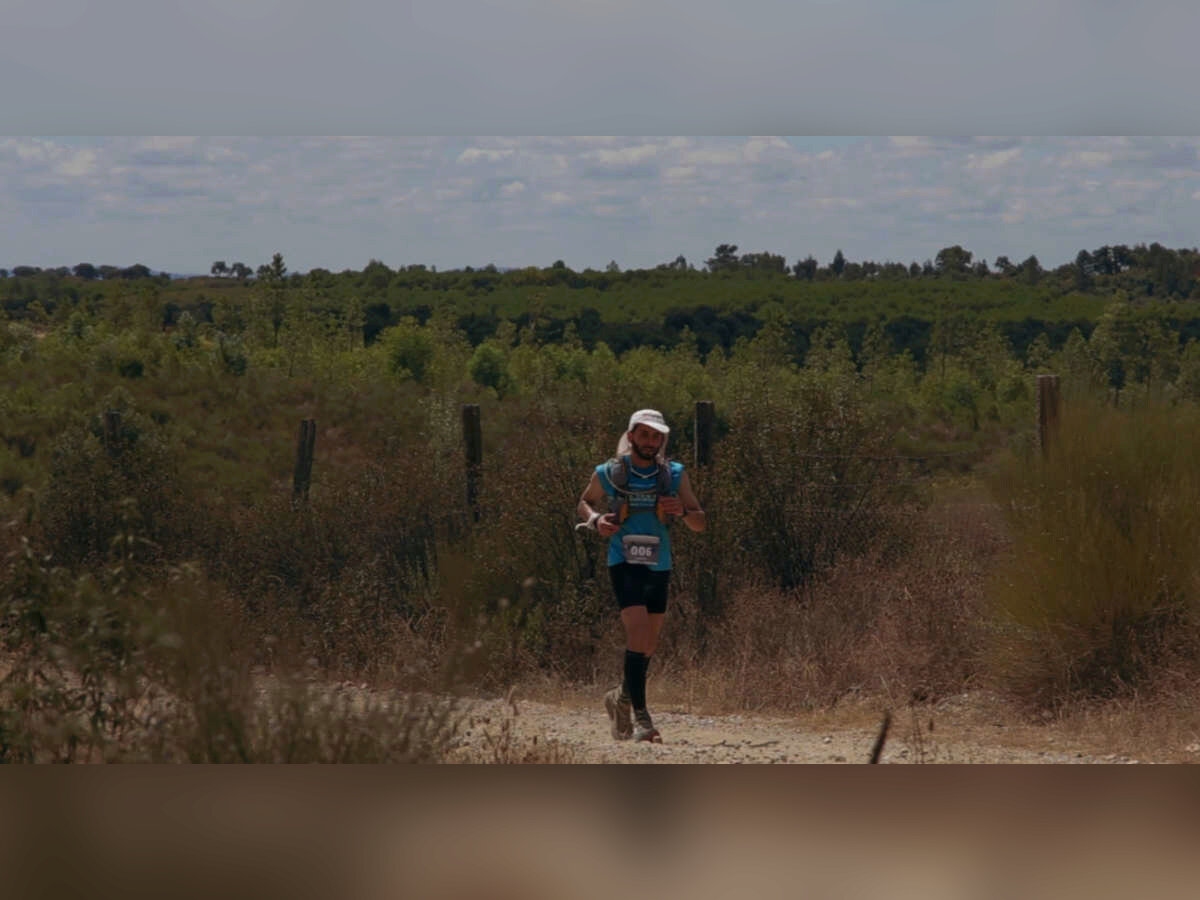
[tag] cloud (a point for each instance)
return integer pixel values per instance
(1086, 159)
(712, 157)
(679, 173)
(28, 150)
(625, 156)
(77, 165)
(166, 151)
(167, 144)
(482, 154)
(217, 154)
(910, 144)
(987, 161)
(755, 148)
(452, 201)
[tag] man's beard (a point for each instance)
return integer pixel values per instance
(643, 452)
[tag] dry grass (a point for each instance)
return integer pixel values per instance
(494, 737)
(381, 578)
(900, 628)
(1100, 598)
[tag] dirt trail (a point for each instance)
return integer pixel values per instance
(577, 731)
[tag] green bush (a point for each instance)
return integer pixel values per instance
(409, 348)
(231, 353)
(488, 367)
(92, 475)
(805, 476)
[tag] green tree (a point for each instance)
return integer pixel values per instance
(271, 295)
(1083, 270)
(763, 262)
(1188, 379)
(806, 269)
(489, 367)
(724, 258)
(951, 335)
(409, 349)
(1039, 354)
(953, 261)
(376, 277)
(839, 263)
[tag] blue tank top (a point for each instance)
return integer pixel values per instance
(642, 519)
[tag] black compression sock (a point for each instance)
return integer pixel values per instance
(635, 677)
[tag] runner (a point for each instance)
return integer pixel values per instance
(645, 491)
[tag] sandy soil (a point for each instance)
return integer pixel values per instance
(962, 729)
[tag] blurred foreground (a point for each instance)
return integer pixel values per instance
(560, 833)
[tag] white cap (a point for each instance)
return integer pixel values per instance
(651, 417)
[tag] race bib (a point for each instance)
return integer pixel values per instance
(640, 549)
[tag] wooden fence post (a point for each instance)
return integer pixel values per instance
(1047, 412)
(305, 443)
(707, 600)
(473, 439)
(704, 432)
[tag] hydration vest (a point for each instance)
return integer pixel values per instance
(618, 471)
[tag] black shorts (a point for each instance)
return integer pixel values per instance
(637, 585)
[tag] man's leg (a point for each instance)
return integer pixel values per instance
(617, 702)
(636, 589)
(654, 624)
(637, 637)
(656, 610)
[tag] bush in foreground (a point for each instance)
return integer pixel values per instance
(1100, 596)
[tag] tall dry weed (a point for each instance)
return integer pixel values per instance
(905, 626)
(1101, 595)
(127, 665)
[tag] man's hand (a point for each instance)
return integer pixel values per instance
(672, 506)
(607, 525)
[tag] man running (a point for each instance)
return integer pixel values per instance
(645, 491)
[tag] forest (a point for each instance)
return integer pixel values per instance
(878, 501)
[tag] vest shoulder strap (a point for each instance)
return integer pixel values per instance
(618, 475)
(664, 478)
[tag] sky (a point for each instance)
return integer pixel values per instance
(180, 203)
(596, 111)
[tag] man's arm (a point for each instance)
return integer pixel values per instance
(686, 506)
(592, 495)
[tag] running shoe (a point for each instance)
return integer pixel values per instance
(643, 728)
(619, 714)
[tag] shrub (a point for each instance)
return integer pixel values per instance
(92, 476)
(1103, 587)
(409, 349)
(488, 367)
(125, 665)
(231, 353)
(804, 477)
